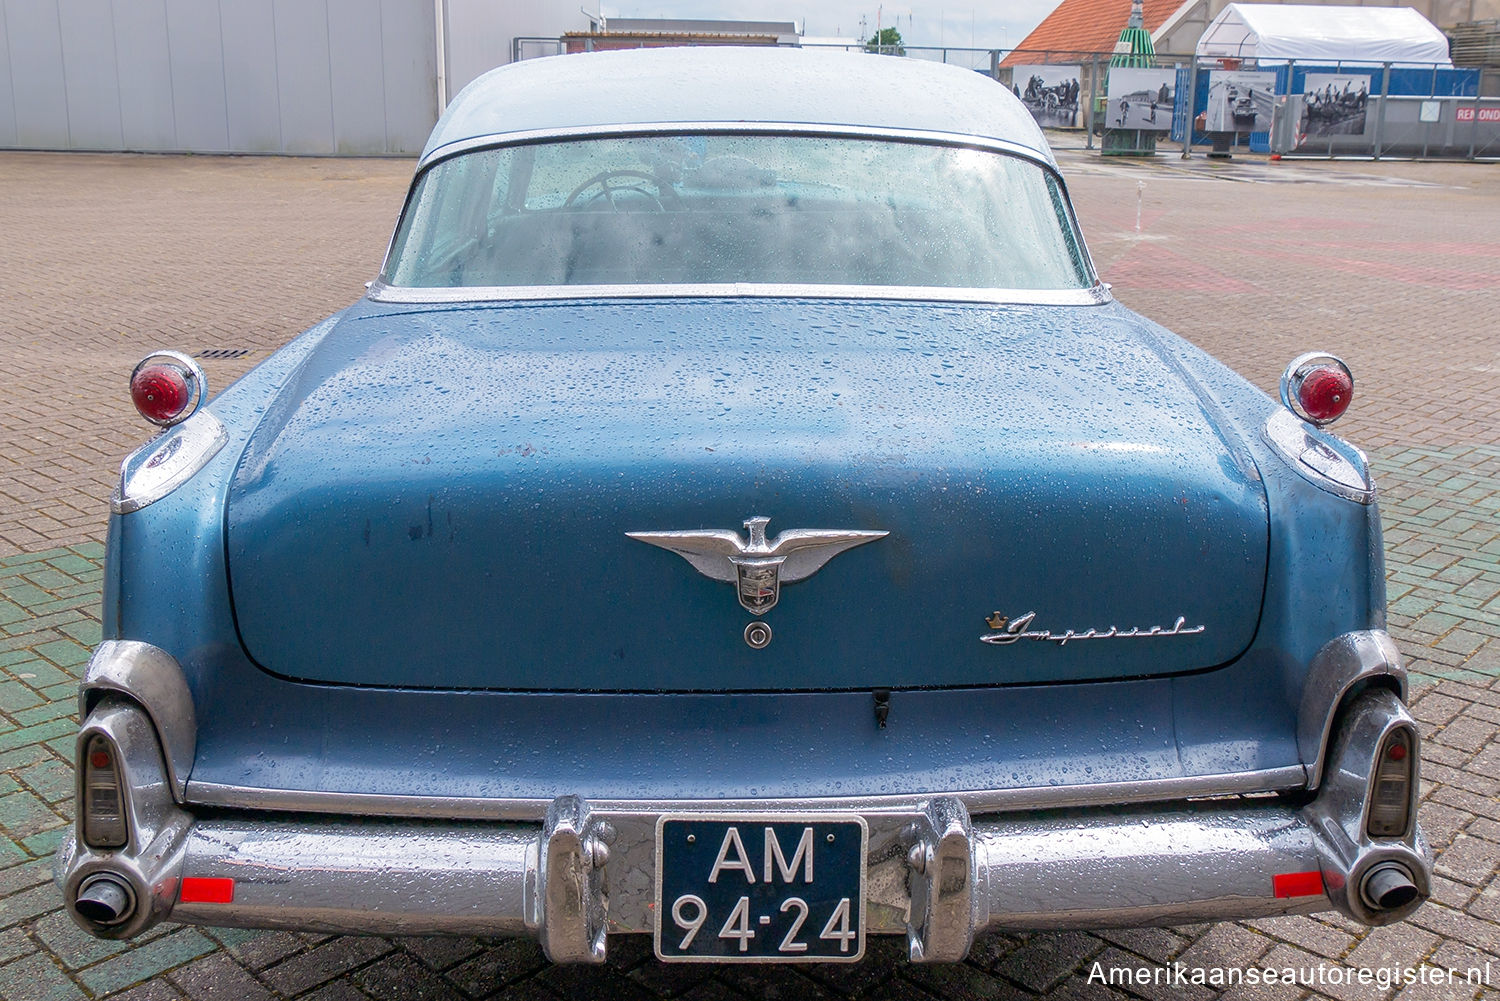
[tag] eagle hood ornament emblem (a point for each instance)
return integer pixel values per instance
(758, 567)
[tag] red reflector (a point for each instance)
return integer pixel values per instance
(211, 890)
(100, 759)
(1397, 752)
(1297, 884)
(159, 392)
(1325, 393)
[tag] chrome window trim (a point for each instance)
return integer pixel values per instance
(1094, 296)
(1267, 780)
(629, 129)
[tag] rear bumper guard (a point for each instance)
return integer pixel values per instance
(934, 873)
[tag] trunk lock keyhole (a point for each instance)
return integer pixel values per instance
(758, 635)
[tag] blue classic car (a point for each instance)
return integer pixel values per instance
(1036, 616)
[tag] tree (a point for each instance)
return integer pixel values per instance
(887, 41)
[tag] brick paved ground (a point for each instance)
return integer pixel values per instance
(1394, 266)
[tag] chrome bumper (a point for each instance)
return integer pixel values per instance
(934, 873)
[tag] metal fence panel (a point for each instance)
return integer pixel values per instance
(1058, 110)
(1440, 126)
(35, 44)
(253, 96)
(1093, 119)
(91, 85)
(1180, 106)
(143, 64)
(979, 60)
(1381, 109)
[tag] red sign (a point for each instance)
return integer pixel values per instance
(1485, 115)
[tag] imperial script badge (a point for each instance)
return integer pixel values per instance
(758, 567)
(1008, 631)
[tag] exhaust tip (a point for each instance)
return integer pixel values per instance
(1388, 887)
(105, 900)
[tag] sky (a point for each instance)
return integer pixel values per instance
(992, 25)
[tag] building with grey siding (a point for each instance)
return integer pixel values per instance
(323, 77)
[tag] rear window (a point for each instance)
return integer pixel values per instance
(712, 209)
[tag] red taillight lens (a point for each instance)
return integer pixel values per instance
(1325, 393)
(167, 387)
(160, 392)
(1317, 387)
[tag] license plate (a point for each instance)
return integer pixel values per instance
(760, 889)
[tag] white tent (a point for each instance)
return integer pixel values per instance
(1315, 33)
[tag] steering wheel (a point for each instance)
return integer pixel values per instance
(635, 187)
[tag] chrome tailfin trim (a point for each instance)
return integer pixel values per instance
(1374, 881)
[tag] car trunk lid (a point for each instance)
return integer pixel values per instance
(444, 498)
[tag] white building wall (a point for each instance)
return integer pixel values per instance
(218, 76)
(480, 32)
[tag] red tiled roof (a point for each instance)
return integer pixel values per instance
(1084, 26)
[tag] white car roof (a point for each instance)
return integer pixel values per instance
(732, 84)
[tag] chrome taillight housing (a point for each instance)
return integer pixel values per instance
(103, 806)
(1317, 387)
(167, 387)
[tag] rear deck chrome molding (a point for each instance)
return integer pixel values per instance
(1093, 296)
(211, 794)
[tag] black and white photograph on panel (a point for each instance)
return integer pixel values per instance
(1333, 104)
(1050, 93)
(1239, 101)
(1140, 98)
